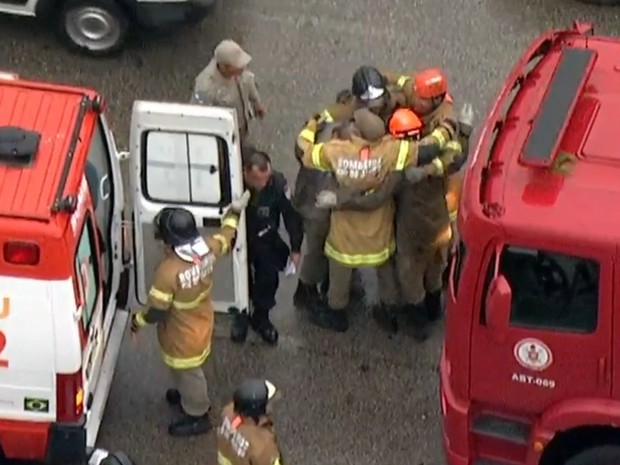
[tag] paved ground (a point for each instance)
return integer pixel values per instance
(360, 398)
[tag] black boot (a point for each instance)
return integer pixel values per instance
(240, 325)
(190, 426)
(433, 304)
(261, 323)
(324, 288)
(385, 316)
(418, 318)
(173, 397)
(305, 295)
(327, 318)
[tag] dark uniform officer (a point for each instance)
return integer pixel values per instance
(268, 254)
(246, 435)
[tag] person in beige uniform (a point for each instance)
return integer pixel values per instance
(246, 435)
(227, 82)
(179, 303)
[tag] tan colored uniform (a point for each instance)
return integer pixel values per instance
(243, 442)
(183, 289)
(423, 219)
(240, 94)
(360, 238)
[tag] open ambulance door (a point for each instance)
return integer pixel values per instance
(186, 156)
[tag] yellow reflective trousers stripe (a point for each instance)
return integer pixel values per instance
(372, 259)
(402, 81)
(453, 215)
(186, 363)
(403, 154)
(194, 303)
(307, 134)
(160, 295)
(222, 460)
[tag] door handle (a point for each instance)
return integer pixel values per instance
(603, 371)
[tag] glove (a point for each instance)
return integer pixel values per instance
(466, 119)
(326, 199)
(238, 205)
(415, 174)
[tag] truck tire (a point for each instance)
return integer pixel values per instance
(603, 455)
(602, 2)
(93, 27)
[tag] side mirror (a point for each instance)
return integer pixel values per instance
(498, 304)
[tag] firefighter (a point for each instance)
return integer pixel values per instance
(363, 239)
(268, 254)
(423, 237)
(247, 435)
(180, 305)
(368, 90)
(404, 124)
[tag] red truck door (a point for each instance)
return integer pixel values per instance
(553, 339)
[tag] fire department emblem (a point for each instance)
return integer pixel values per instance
(533, 354)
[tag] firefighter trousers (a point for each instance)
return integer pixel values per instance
(340, 284)
(314, 267)
(420, 271)
(192, 385)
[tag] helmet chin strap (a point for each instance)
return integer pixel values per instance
(193, 252)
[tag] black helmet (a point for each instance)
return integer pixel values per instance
(368, 84)
(175, 226)
(251, 397)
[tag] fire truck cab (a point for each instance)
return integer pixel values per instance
(71, 262)
(529, 371)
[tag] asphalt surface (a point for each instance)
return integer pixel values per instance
(358, 398)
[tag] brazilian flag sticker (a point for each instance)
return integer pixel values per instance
(34, 404)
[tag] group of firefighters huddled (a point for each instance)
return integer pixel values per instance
(378, 187)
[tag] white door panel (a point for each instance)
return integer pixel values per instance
(186, 156)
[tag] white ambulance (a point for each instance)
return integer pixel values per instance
(69, 252)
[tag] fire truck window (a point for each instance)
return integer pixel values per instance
(551, 291)
(186, 168)
(86, 271)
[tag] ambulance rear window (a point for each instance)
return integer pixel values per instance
(18, 146)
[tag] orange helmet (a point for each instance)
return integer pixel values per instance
(430, 83)
(405, 123)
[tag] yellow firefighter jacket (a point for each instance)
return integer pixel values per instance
(362, 238)
(242, 442)
(182, 287)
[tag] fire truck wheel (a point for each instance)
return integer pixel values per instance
(603, 455)
(93, 27)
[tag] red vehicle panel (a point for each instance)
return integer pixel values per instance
(532, 286)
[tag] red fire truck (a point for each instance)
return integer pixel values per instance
(65, 251)
(530, 372)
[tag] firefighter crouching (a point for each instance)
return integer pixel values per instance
(362, 238)
(180, 304)
(423, 234)
(246, 435)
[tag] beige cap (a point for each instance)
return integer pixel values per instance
(370, 126)
(228, 52)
